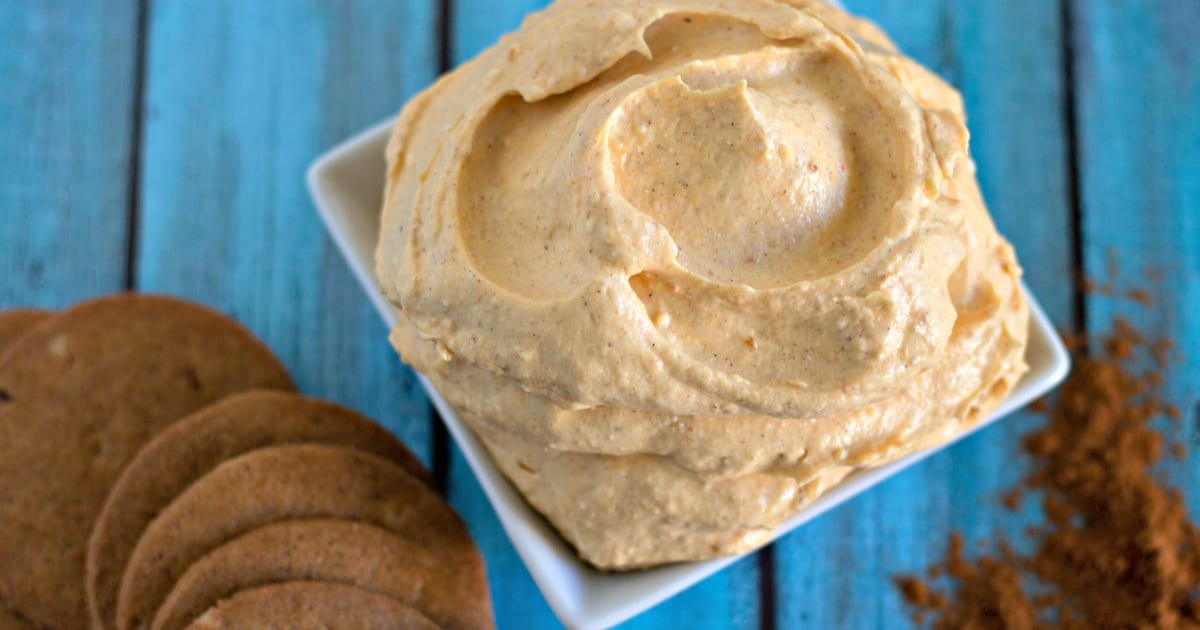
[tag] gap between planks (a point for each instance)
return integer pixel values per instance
(441, 437)
(1074, 201)
(134, 210)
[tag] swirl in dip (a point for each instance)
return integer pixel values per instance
(682, 265)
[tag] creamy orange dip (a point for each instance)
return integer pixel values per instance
(682, 265)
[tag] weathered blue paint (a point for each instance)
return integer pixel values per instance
(1138, 104)
(240, 97)
(66, 137)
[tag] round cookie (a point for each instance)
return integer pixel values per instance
(311, 606)
(10, 619)
(17, 322)
(446, 585)
(187, 450)
(274, 484)
(83, 392)
(13, 324)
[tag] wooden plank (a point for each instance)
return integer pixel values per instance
(1137, 85)
(729, 599)
(1006, 59)
(240, 98)
(68, 73)
(475, 25)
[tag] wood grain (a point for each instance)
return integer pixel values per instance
(1138, 109)
(240, 97)
(1005, 58)
(66, 120)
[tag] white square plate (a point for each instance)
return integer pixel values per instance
(347, 185)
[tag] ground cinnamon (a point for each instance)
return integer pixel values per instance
(1117, 548)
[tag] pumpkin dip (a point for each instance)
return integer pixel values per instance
(682, 265)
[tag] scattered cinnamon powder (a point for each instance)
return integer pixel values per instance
(1141, 296)
(1012, 498)
(1117, 549)
(918, 594)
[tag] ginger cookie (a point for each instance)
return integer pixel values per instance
(82, 393)
(273, 484)
(446, 585)
(311, 606)
(187, 450)
(13, 324)
(17, 322)
(10, 619)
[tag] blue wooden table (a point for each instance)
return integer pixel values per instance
(161, 145)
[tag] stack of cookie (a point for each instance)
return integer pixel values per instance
(156, 470)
